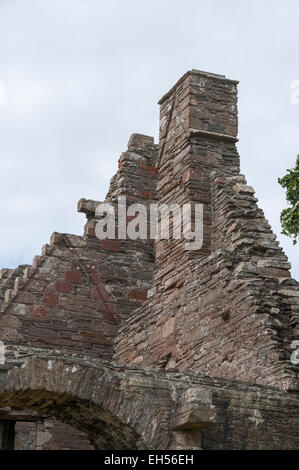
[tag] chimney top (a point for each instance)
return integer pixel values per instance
(196, 72)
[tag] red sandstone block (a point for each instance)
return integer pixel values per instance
(105, 307)
(38, 312)
(138, 294)
(148, 174)
(50, 299)
(73, 276)
(63, 287)
(95, 278)
(219, 180)
(103, 293)
(145, 194)
(104, 304)
(110, 245)
(91, 268)
(108, 317)
(100, 293)
(91, 231)
(95, 292)
(148, 167)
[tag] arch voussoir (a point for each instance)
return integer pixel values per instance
(114, 406)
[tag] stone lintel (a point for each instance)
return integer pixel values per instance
(9, 414)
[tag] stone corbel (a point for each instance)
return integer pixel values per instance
(194, 413)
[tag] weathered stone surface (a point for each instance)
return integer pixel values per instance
(222, 310)
(107, 341)
(80, 289)
(128, 407)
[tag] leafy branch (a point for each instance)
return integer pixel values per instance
(289, 217)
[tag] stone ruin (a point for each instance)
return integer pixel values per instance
(135, 344)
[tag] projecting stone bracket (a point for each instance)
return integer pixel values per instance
(87, 207)
(194, 413)
(195, 419)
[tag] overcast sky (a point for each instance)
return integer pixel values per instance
(77, 77)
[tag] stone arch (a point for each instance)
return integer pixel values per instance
(94, 398)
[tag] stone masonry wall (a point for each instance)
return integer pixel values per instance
(76, 294)
(50, 434)
(129, 407)
(80, 289)
(229, 309)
